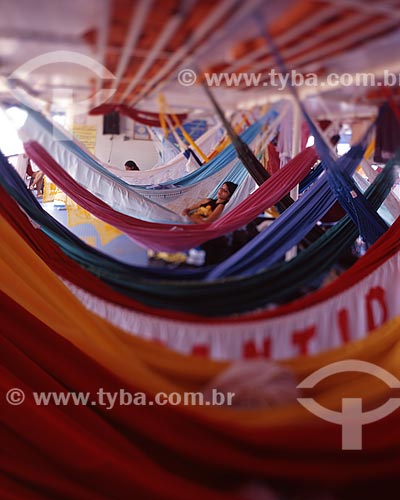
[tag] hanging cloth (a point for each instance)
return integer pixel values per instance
(371, 226)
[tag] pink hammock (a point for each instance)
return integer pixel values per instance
(175, 237)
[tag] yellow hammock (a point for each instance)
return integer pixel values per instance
(31, 283)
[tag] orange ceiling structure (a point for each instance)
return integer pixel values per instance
(145, 44)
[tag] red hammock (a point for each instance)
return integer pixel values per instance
(174, 237)
(145, 117)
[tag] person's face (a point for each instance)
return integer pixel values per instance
(223, 192)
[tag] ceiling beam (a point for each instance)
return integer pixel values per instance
(138, 19)
(384, 8)
(234, 23)
(102, 37)
(169, 29)
(300, 29)
(216, 16)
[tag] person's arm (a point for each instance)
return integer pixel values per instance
(198, 219)
(187, 210)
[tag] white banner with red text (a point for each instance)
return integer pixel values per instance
(347, 316)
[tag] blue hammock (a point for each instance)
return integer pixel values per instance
(203, 172)
(290, 228)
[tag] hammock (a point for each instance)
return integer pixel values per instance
(122, 196)
(360, 300)
(146, 117)
(173, 237)
(282, 282)
(167, 172)
(371, 226)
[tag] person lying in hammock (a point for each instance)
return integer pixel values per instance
(209, 209)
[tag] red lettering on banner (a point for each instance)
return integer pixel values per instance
(343, 322)
(376, 294)
(201, 350)
(301, 338)
(250, 350)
